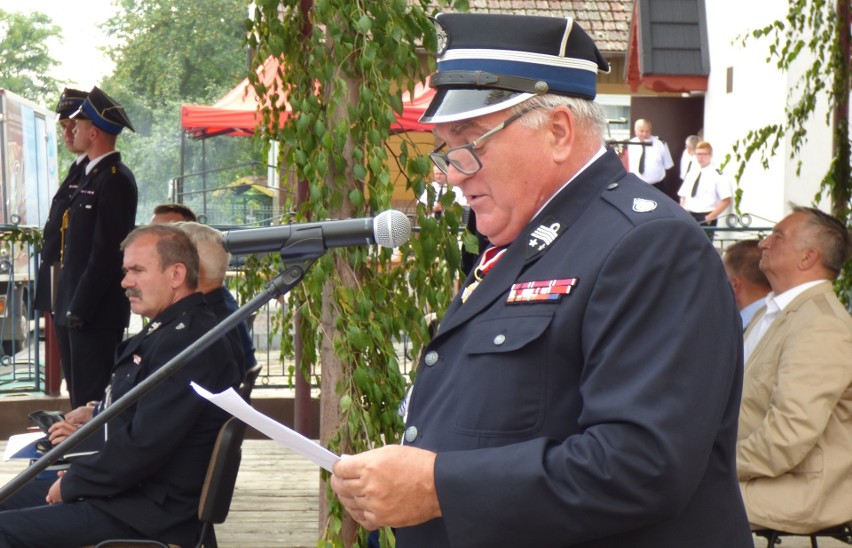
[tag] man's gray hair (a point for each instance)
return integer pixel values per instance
(829, 235)
(173, 247)
(589, 114)
(214, 258)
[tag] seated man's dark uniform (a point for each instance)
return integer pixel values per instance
(149, 474)
(223, 304)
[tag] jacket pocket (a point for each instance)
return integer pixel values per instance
(501, 388)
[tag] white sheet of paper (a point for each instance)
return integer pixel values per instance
(19, 441)
(231, 402)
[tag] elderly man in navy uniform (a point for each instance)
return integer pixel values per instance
(90, 311)
(554, 407)
(69, 102)
(146, 479)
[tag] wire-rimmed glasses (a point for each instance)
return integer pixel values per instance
(463, 158)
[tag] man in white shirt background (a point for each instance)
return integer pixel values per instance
(705, 193)
(439, 188)
(648, 156)
(687, 159)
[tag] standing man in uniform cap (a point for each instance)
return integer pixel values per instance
(91, 312)
(648, 156)
(51, 249)
(553, 407)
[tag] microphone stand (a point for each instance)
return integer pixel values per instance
(302, 249)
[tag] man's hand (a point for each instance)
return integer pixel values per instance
(73, 321)
(54, 496)
(59, 431)
(393, 486)
(82, 414)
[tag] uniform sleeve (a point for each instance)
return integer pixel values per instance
(660, 377)
(810, 382)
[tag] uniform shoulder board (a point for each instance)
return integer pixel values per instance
(719, 171)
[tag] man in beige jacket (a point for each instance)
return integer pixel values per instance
(794, 448)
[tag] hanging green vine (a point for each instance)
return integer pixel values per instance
(344, 65)
(814, 27)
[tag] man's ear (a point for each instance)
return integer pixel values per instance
(562, 126)
(810, 259)
(736, 282)
(178, 275)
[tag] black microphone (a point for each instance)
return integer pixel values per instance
(389, 228)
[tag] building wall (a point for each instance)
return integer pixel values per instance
(746, 92)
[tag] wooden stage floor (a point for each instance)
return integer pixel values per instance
(276, 502)
(275, 505)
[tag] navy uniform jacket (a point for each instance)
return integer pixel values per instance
(52, 235)
(223, 304)
(101, 214)
(602, 418)
(150, 471)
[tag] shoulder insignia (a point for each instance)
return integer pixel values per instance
(180, 326)
(543, 235)
(641, 205)
(719, 171)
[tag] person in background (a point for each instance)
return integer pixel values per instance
(705, 193)
(90, 311)
(648, 156)
(51, 248)
(553, 407)
(794, 447)
(434, 194)
(146, 479)
(742, 265)
(214, 266)
(172, 213)
(687, 159)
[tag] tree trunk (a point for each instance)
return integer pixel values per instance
(842, 191)
(337, 372)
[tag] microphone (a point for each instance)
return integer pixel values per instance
(389, 228)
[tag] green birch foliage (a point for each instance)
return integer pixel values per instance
(810, 31)
(344, 65)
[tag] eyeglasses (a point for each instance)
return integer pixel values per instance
(463, 158)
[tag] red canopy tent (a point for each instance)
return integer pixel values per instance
(237, 114)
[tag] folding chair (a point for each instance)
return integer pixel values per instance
(843, 533)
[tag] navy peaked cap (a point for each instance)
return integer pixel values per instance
(490, 62)
(104, 112)
(69, 102)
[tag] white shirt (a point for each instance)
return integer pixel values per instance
(91, 165)
(713, 187)
(687, 164)
(774, 305)
(440, 190)
(657, 159)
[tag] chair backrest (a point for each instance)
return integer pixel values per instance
(247, 384)
(221, 479)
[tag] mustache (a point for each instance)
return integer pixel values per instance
(130, 293)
